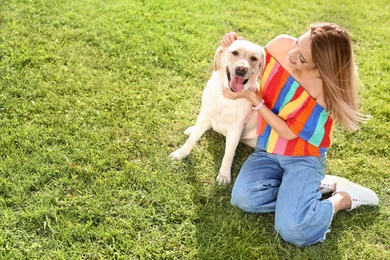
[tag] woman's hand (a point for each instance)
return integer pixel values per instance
(229, 38)
(276, 122)
(227, 93)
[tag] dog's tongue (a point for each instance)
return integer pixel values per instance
(237, 84)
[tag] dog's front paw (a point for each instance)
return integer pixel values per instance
(224, 178)
(178, 155)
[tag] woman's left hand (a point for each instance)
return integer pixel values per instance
(227, 93)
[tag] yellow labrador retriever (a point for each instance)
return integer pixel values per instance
(236, 67)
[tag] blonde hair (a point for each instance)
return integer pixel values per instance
(332, 53)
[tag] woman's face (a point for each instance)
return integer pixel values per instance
(300, 58)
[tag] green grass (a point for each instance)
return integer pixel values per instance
(96, 94)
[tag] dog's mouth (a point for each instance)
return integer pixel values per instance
(236, 83)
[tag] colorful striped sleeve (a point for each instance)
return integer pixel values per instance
(312, 123)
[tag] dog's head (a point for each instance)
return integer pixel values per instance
(240, 64)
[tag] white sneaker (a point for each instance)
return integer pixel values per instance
(328, 184)
(359, 195)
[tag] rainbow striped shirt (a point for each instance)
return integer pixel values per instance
(305, 117)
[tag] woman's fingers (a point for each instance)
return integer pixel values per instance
(229, 38)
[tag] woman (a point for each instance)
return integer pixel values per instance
(308, 86)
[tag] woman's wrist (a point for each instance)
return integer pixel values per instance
(255, 101)
(256, 108)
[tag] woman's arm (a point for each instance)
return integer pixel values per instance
(277, 123)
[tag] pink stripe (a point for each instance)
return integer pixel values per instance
(280, 146)
(271, 75)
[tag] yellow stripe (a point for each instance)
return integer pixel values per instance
(267, 71)
(293, 105)
(273, 138)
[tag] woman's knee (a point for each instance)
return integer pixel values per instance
(241, 199)
(292, 234)
(254, 201)
(301, 234)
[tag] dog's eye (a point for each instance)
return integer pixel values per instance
(235, 53)
(253, 58)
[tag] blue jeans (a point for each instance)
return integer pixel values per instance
(288, 186)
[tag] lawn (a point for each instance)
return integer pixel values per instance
(94, 97)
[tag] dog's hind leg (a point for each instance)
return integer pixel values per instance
(202, 125)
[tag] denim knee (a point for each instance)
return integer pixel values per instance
(241, 200)
(291, 234)
(254, 201)
(300, 234)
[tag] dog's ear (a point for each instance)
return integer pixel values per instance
(218, 57)
(262, 63)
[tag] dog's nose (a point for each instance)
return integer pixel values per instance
(241, 71)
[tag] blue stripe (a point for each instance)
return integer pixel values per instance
(286, 94)
(264, 138)
(291, 92)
